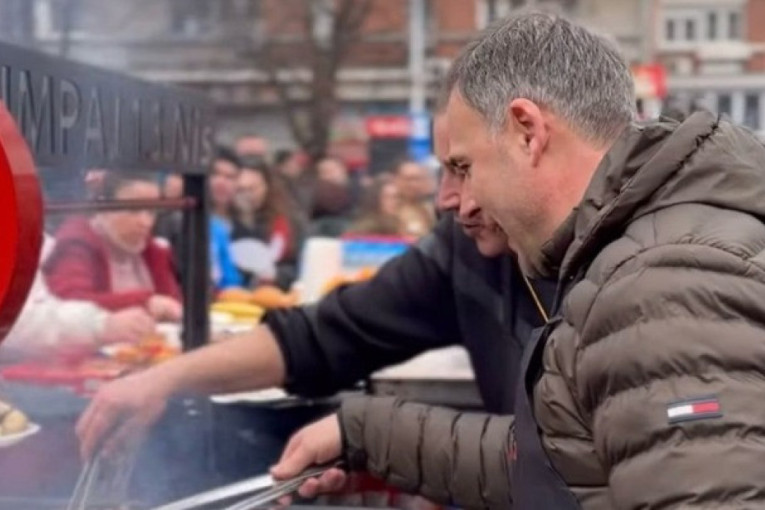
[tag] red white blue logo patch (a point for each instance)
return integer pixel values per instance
(694, 409)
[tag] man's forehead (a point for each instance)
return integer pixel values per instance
(457, 105)
(464, 125)
(461, 124)
(456, 153)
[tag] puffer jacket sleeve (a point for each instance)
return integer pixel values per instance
(671, 374)
(448, 456)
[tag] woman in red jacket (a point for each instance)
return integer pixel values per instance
(111, 259)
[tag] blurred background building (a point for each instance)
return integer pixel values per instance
(687, 54)
(714, 53)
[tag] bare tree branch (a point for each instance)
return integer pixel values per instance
(322, 56)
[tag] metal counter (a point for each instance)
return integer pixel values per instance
(442, 377)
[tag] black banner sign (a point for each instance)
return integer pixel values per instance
(78, 117)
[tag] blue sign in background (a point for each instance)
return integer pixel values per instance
(420, 143)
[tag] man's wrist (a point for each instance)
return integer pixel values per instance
(169, 378)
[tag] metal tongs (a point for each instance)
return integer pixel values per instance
(81, 494)
(268, 490)
(282, 489)
(104, 480)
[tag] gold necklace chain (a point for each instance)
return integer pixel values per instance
(537, 301)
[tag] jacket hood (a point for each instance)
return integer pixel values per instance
(704, 160)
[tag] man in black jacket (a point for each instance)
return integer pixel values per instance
(456, 286)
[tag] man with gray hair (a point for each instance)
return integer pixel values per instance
(639, 392)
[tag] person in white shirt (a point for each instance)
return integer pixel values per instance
(48, 323)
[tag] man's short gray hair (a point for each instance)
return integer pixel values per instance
(561, 66)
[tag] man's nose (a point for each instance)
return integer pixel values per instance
(448, 198)
(468, 208)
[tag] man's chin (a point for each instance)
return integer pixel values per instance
(473, 232)
(489, 252)
(489, 246)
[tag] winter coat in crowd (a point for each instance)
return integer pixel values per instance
(80, 268)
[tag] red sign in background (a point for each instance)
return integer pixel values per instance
(389, 126)
(650, 81)
(21, 221)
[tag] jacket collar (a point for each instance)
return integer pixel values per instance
(623, 187)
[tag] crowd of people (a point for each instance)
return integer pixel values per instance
(264, 208)
(126, 263)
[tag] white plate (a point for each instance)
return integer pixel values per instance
(111, 350)
(271, 395)
(172, 333)
(221, 318)
(6, 441)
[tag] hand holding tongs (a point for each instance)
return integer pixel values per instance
(265, 486)
(285, 488)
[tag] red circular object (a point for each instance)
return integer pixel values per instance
(20, 221)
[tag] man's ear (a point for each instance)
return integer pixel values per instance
(529, 123)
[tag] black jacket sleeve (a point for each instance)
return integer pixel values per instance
(407, 308)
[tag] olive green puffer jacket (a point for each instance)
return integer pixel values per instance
(652, 380)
